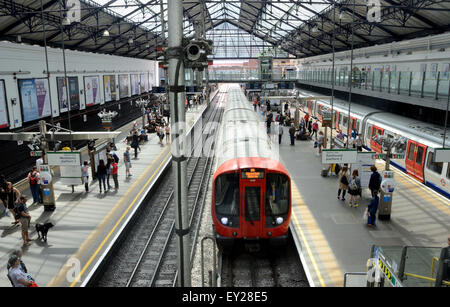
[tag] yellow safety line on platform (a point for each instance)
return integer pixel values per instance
(439, 198)
(102, 224)
(106, 221)
(322, 246)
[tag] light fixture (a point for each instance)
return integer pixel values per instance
(341, 15)
(130, 41)
(315, 28)
(106, 33)
(147, 45)
(66, 21)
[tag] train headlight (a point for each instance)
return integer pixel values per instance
(224, 220)
(280, 220)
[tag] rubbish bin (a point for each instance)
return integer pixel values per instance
(386, 195)
(48, 196)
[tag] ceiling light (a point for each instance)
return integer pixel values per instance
(66, 21)
(130, 41)
(106, 33)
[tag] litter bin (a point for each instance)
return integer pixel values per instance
(386, 195)
(48, 196)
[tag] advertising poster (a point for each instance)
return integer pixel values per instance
(109, 84)
(3, 109)
(91, 90)
(124, 85)
(35, 98)
(144, 83)
(73, 94)
(134, 85)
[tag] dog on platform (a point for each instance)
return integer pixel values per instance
(42, 230)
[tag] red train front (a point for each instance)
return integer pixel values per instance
(251, 196)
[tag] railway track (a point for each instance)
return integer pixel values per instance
(251, 264)
(147, 255)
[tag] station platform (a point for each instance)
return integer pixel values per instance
(86, 224)
(333, 237)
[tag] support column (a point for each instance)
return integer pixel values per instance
(177, 98)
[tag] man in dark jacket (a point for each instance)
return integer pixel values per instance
(375, 180)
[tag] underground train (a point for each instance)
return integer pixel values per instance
(419, 139)
(251, 189)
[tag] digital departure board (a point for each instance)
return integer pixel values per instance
(252, 173)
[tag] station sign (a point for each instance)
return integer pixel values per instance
(330, 156)
(64, 158)
(442, 155)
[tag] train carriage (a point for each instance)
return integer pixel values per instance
(251, 196)
(420, 139)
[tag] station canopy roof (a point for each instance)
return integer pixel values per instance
(239, 29)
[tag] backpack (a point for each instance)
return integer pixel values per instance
(116, 158)
(344, 179)
(33, 178)
(337, 169)
(353, 186)
(17, 214)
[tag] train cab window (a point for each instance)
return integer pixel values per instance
(411, 150)
(252, 203)
(226, 195)
(419, 155)
(277, 198)
(434, 166)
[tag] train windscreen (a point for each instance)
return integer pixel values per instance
(226, 197)
(277, 198)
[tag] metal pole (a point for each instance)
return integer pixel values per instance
(333, 76)
(163, 38)
(446, 116)
(65, 73)
(46, 60)
(177, 98)
(351, 74)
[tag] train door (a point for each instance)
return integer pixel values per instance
(373, 144)
(336, 120)
(252, 198)
(415, 158)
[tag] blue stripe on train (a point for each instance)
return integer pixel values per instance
(427, 183)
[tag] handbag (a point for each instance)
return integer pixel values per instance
(366, 214)
(315, 144)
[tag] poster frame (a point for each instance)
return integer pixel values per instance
(69, 104)
(84, 87)
(115, 88)
(8, 124)
(128, 94)
(21, 102)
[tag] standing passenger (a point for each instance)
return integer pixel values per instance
(354, 189)
(35, 184)
(315, 128)
(85, 175)
(320, 141)
(343, 182)
(101, 174)
(280, 132)
(372, 209)
(25, 219)
(292, 134)
(127, 161)
(375, 180)
(115, 173)
(13, 196)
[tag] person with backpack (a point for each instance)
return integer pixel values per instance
(315, 128)
(354, 189)
(375, 180)
(35, 184)
(280, 132)
(343, 182)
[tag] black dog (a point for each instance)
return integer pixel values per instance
(42, 230)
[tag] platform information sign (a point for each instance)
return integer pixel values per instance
(364, 162)
(330, 156)
(442, 155)
(64, 158)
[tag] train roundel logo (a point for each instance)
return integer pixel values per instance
(443, 182)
